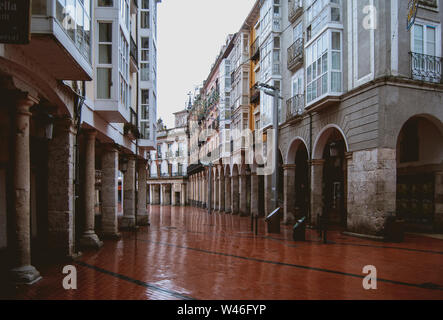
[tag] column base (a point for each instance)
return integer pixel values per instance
(128, 222)
(111, 235)
(25, 275)
(90, 240)
(143, 220)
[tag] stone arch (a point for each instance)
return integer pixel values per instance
(419, 164)
(294, 146)
(322, 139)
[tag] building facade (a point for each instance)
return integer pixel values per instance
(168, 164)
(71, 121)
(360, 120)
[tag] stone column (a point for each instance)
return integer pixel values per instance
(156, 194)
(173, 200)
(23, 271)
(221, 195)
(205, 190)
(289, 196)
(234, 195)
(142, 211)
(128, 220)
(254, 194)
(61, 188)
(243, 199)
(316, 189)
(216, 194)
(268, 194)
(439, 201)
(168, 189)
(148, 196)
(227, 194)
(110, 191)
(162, 195)
(183, 195)
(89, 239)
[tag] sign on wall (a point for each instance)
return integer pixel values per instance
(15, 19)
(412, 13)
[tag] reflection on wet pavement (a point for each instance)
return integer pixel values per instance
(187, 254)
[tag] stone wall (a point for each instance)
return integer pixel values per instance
(372, 179)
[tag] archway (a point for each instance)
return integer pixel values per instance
(330, 177)
(235, 190)
(420, 174)
(297, 181)
(228, 189)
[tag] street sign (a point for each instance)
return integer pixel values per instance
(15, 19)
(412, 13)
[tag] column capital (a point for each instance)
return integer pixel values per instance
(142, 162)
(348, 155)
(66, 124)
(110, 146)
(317, 162)
(90, 133)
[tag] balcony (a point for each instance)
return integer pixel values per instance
(295, 10)
(295, 107)
(134, 51)
(295, 55)
(130, 129)
(255, 50)
(255, 95)
(55, 29)
(426, 68)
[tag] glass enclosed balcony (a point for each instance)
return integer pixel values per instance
(63, 29)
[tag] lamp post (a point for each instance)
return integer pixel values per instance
(209, 165)
(273, 92)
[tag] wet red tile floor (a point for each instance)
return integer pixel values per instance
(187, 254)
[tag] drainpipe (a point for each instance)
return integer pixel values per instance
(78, 104)
(310, 157)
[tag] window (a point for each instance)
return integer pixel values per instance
(105, 3)
(321, 12)
(298, 32)
(105, 43)
(144, 14)
(74, 16)
(323, 58)
(104, 83)
(144, 117)
(124, 70)
(104, 66)
(426, 51)
(144, 63)
(424, 39)
(124, 12)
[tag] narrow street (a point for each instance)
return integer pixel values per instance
(187, 254)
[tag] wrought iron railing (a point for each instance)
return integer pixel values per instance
(426, 68)
(295, 10)
(295, 54)
(295, 106)
(255, 95)
(134, 50)
(255, 49)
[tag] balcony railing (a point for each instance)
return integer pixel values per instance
(134, 50)
(295, 10)
(295, 106)
(426, 68)
(255, 95)
(295, 55)
(255, 50)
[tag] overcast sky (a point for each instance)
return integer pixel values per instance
(190, 36)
